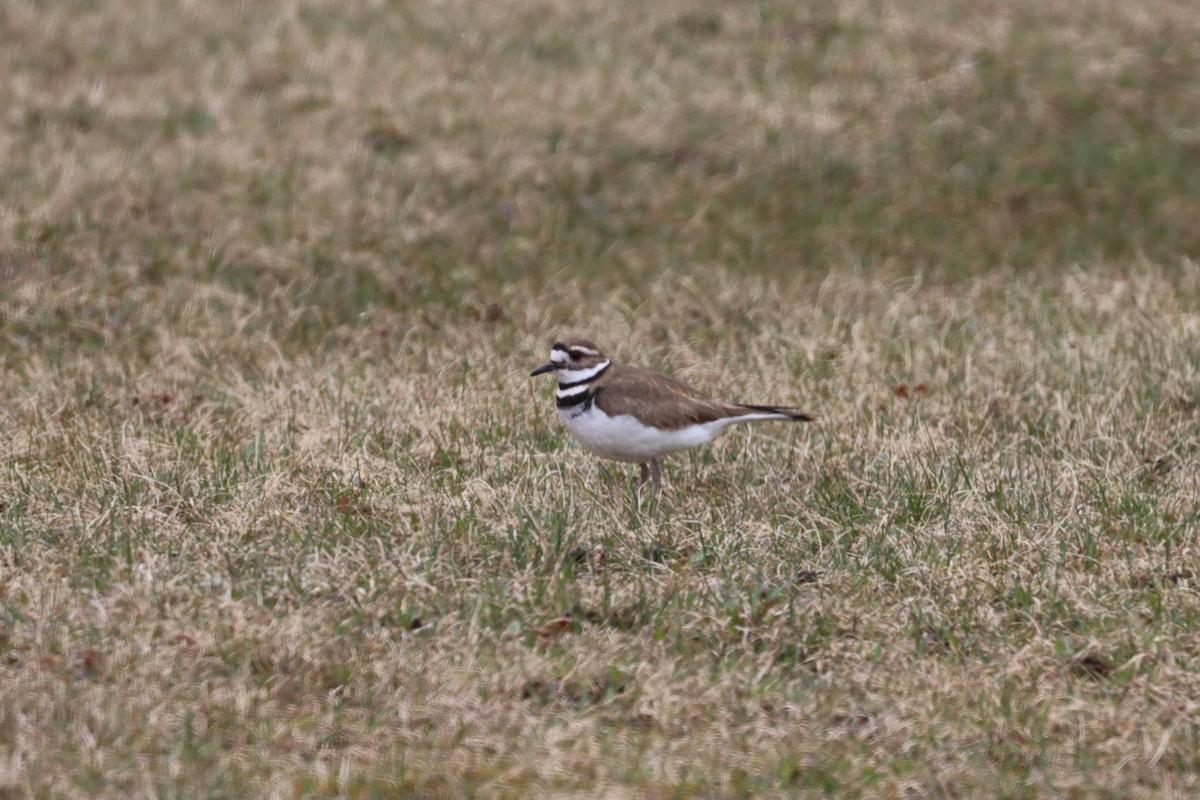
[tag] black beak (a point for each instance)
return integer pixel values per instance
(549, 366)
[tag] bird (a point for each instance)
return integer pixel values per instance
(633, 415)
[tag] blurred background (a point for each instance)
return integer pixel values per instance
(426, 154)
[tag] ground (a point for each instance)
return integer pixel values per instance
(282, 514)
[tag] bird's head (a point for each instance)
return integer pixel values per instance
(572, 359)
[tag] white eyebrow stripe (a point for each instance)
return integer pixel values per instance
(586, 350)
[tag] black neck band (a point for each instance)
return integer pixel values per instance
(574, 400)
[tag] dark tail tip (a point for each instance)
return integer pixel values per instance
(791, 413)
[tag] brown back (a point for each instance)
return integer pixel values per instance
(656, 399)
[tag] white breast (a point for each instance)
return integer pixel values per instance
(624, 438)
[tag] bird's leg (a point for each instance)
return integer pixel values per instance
(650, 473)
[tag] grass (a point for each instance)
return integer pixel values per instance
(281, 514)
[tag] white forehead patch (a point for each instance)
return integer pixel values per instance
(558, 356)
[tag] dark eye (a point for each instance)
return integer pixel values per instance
(575, 355)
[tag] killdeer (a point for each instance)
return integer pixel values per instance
(623, 413)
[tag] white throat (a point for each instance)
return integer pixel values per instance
(576, 375)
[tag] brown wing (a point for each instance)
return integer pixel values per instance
(656, 399)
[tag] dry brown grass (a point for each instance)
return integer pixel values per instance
(281, 514)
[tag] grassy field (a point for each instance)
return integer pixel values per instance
(282, 515)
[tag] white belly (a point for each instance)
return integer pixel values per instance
(624, 438)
